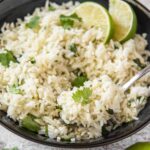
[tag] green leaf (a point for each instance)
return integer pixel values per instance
(82, 96)
(51, 8)
(15, 89)
(138, 62)
(32, 60)
(29, 123)
(110, 111)
(59, 108)
(66, 138)
(68, 21)
(46, 130)
(79, 81)
(34, 22)
(73, 48)
(6, 58)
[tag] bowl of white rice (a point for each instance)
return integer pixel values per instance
(62, 87)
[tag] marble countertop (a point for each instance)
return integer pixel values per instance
(9, 140)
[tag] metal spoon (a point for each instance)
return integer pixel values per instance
(139, 75)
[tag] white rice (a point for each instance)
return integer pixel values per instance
(47, 83)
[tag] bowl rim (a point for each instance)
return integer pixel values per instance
(81, 145)
(75, 145)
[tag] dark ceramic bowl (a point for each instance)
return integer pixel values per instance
(12, 9)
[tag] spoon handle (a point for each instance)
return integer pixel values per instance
(140, 74)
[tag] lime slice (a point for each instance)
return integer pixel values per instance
(140, 146)
(93, 14)
(124, 18)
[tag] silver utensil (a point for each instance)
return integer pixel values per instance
(139, 75)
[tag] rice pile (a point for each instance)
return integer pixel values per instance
(39, 83)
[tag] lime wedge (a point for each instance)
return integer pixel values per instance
(140, 146)
(93, 14)
(124, 18)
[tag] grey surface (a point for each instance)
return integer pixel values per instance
(8, 139)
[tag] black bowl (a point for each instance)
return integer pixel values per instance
(12, 9)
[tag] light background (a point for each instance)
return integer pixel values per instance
(8, 139)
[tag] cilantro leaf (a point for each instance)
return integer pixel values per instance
(68, 21)
(138, 62)
(6, 58)
(79, 81)
(110, 111)
(32, 60)
(73, 48)
(82, 96)
(15, 89)
(66, 138)
(29, 123)
(51, 8)
(46, 130)
(34, 22)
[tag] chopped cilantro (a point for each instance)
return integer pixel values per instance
(138, 62)
(51, 8)
(34, 22)
(79, 81)
(46, 130)
(29, 123)
(66, 138)
(15, 89)
(68, 21)
(110, 111)
(59, 108)
(32, 60)
(82, 96)
(6, 58)
(73, 48)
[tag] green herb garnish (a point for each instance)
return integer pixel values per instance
(29, 123)
(82, 96)
(130, 102)
(34, 22)
(138, 62)
(59, 108)
(79, 81)
(68, 21)
(15, 89)
(73, 48)
(51, 8)
(66, 138)
(110, 111)
(46, 130)
(6, 58)
(32, 60)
